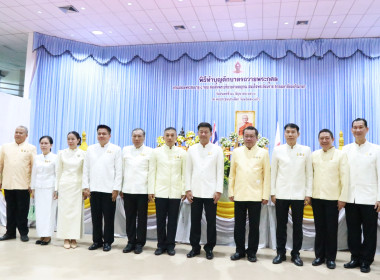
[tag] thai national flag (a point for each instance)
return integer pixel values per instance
(214, 137)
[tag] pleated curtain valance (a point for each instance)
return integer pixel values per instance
(248, 50)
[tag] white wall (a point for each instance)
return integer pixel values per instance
(14, 111)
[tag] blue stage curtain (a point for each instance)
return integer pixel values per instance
(77, 86)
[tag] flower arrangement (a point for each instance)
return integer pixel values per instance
(180, 139)
(241, 140)
(262, 141)
(233, 136)
(160, 141)
(196, 139)
(227, 165)
(190, 134)
(189, 142)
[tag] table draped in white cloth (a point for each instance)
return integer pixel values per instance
(69, 187)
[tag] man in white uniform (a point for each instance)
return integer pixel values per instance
(291, 180)
(102, 175)
(363, 204)
(135, 190)
(204, 186)
(167, 187)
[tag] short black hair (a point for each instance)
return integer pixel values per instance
(170, 128)
(137, 129)
(205, 124)
(105, 127)
(48, 138)
(326, 130)
(358, 120)
(251, 128)
(292, 125)
(77, 136)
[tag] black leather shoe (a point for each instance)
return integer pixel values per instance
(279, 259)
(44, 243)
(193, 253)
(24, 238)
(171, 252)
(159, 251)
(209, 255)
(252, 258)
(138, 249)
(237, 256)
(352, 264)
(318, 261)
(7, 237)
(95, 246)
(38, 242)
(365, 268)
(297, 260)
(331, 264)
(106, 247)
(129, 248)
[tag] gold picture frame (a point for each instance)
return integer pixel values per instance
(240, 123)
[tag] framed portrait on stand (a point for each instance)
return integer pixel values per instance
(243, 119)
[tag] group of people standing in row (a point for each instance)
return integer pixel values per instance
(328, 179)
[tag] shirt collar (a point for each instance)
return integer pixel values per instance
(208, 145)
(362, 145)
(252, 149)
(290, 147)
(332, 149)
(166, 147)
(138, 149)
(105, 146)
(22, 144)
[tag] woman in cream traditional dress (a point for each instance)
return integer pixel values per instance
(42, 185)
(69, 191)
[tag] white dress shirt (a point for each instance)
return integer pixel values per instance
(43, 172)
(364, 162)
(204, 170)
(135, 169)
(291, 172)
(102, 168)
(167, 172)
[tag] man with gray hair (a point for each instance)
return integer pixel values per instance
(135, 190)
(16, 162)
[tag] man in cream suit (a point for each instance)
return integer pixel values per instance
(363, 204)
(102, 175)
(249, 187)
(291, 185)
(135, 190)
(166, 185)
(204, 186)
(330, 187)
(16, 161)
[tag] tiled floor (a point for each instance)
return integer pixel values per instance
(20, 260)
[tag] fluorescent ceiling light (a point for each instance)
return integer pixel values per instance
(335, 22)
(239, 24)
(286, 22)
(129, 4)
(97, 32)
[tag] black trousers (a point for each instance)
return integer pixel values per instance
(166, 208)
(326, 216)
(254, 210)
(196, 217)
(102, 206)
(282, 209)
(136, 206)
(358, 217)
(18, 202)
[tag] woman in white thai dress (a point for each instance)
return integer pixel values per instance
(42, 185)
(69, 173)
